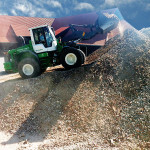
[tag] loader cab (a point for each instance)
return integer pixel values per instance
(43, 39)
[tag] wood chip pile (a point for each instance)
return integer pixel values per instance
(100, 105)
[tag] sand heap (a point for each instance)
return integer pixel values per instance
(145, 31)
(100, 105)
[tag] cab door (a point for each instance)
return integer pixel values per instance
(43, 40)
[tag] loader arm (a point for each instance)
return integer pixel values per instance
(103, 25)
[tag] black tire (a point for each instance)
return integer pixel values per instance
(77, 55)
(29, 68)
(83, 55)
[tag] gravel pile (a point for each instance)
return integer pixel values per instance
(100, 105)
(126, 69)
(145, 31)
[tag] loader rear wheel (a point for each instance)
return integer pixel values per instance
(83, 55)
(29, 68)
(71, 58)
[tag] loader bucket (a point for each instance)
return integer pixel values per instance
(107, 22)
(97, 26)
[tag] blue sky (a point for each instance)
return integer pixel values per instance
(136, 12)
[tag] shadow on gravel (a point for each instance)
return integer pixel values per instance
(3, 73)
(50, 106)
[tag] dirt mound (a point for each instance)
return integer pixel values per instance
(100, 105)
(145, 31)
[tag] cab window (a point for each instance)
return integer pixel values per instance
(48, 36)
(42, 35)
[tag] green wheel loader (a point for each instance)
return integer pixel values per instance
(43, 51)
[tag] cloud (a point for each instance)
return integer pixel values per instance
(44, 13)
(3, 13)
(116, 3)
(56, 4)
(25, 8)
(38, 3)
(109, 2)
(81, 6)
(147, 7)
(22, 8)
(14, 12)
(52, 4)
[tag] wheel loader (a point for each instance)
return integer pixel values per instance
(43, 51)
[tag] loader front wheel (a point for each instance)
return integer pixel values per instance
(29, 68)
(71, 58)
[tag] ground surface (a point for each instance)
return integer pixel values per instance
(5, 76)
(104, 104)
